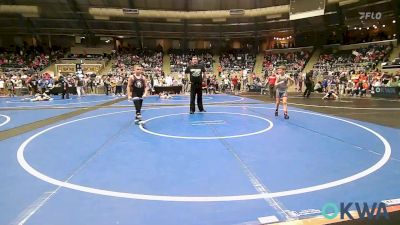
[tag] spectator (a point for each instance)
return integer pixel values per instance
(271, 85)
(237, 60)
(318, 87)
(168, 80)
(2, 86)
(235, 82)
(118, 85)
(293, 61)
(309, 84)
(181, 59)
(10, 87)
(79, 86)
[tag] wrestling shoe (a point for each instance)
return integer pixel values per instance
(286, 116)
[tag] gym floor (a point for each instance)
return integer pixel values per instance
(84, 161)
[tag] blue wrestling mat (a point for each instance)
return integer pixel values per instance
(234, 164)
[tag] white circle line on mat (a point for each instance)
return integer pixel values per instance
(71, 103)
(25, 165)
(205, 137)
(345, 107)
(186, 100)
(8, 119)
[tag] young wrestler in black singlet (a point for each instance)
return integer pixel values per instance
(137, 89)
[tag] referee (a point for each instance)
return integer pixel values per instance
(196, 72)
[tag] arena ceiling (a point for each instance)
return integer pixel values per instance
(73, 17)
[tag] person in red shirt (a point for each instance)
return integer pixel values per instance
(363, 78)
(235, 85)
(271, 85)
(219, 70)
(204, 86)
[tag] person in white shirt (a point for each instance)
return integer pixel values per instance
(18, 83)
(244, 79)
(244, 73)
(318, 87)
(377, 83)
(1, 86)
(168, 80)
(155, 82)
(79, 84)
(226, 83)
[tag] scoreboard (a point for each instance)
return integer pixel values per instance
(300, 9)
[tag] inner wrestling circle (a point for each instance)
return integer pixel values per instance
(187, 99)
(204, 123)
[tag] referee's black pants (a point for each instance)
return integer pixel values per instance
(65, 92)
(307, 92)
(196, 89)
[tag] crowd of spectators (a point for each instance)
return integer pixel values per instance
(181, 59)
(356, 83)
(235, 60)
(294, 61)
(20, 68)
(44, 83)
(33, 83)
(363, 58)
(151, 61)
(353, 72)
(33, 58)
(350, 72)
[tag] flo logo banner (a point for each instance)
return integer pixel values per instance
(374, 211)
(370, 15)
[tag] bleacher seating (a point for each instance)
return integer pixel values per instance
(294, 61)
(358, 59)
(180, 59)
(237, 60)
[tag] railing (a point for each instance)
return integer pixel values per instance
(360, 45)
(284, 50)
